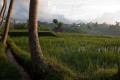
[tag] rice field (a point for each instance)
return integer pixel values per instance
(91, 56)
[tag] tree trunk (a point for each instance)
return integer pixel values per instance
(5, 6)
(39, 63)
(2, 10)
(7, 23)
(118, 71)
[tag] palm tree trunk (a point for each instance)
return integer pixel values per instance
(2, 10)
(39, 63)
(118, 71)
(5, 4)
(6, 28)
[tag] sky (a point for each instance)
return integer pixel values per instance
(70, 11)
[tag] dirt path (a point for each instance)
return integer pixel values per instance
(24, 74)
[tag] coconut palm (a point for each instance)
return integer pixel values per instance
(5, 6)
(39, 63)
(2, 10)
(7, 23)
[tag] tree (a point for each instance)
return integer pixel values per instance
(55, 21)
(3, 13)
(118, 71)
(13, 22)
(96, 24)
(58, 27)
(60, 24)
(117, 23)
(2, 10)
(7, 23)
(39, 63)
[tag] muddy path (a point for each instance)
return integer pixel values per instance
(23, 72)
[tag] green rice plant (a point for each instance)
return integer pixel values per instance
(82, 53)
(23, 57)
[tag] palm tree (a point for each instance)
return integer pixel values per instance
(2, 10)
(5, 6)
(39, 63)
(118, 72)
(6, 28)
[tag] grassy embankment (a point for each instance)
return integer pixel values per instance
(90, 56)
(8, 70)
(23, 57)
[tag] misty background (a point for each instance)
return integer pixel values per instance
(84, 16)
(71, 10)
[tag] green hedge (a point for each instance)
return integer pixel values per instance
(26, 34)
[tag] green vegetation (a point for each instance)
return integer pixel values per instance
(23, 57)
(47, 33)
(8, 70)
(89, 56)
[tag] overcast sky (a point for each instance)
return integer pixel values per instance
(71, 10)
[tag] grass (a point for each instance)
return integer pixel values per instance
(26, 34)
(90, 56)
(8, 70)
(23, 57)
(21, 32)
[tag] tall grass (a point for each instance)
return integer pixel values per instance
(88, 55)
(23, 57)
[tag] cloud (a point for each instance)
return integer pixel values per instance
(108, 17)
(70, 10)
(46, 11)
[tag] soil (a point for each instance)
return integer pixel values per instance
(23, 72)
